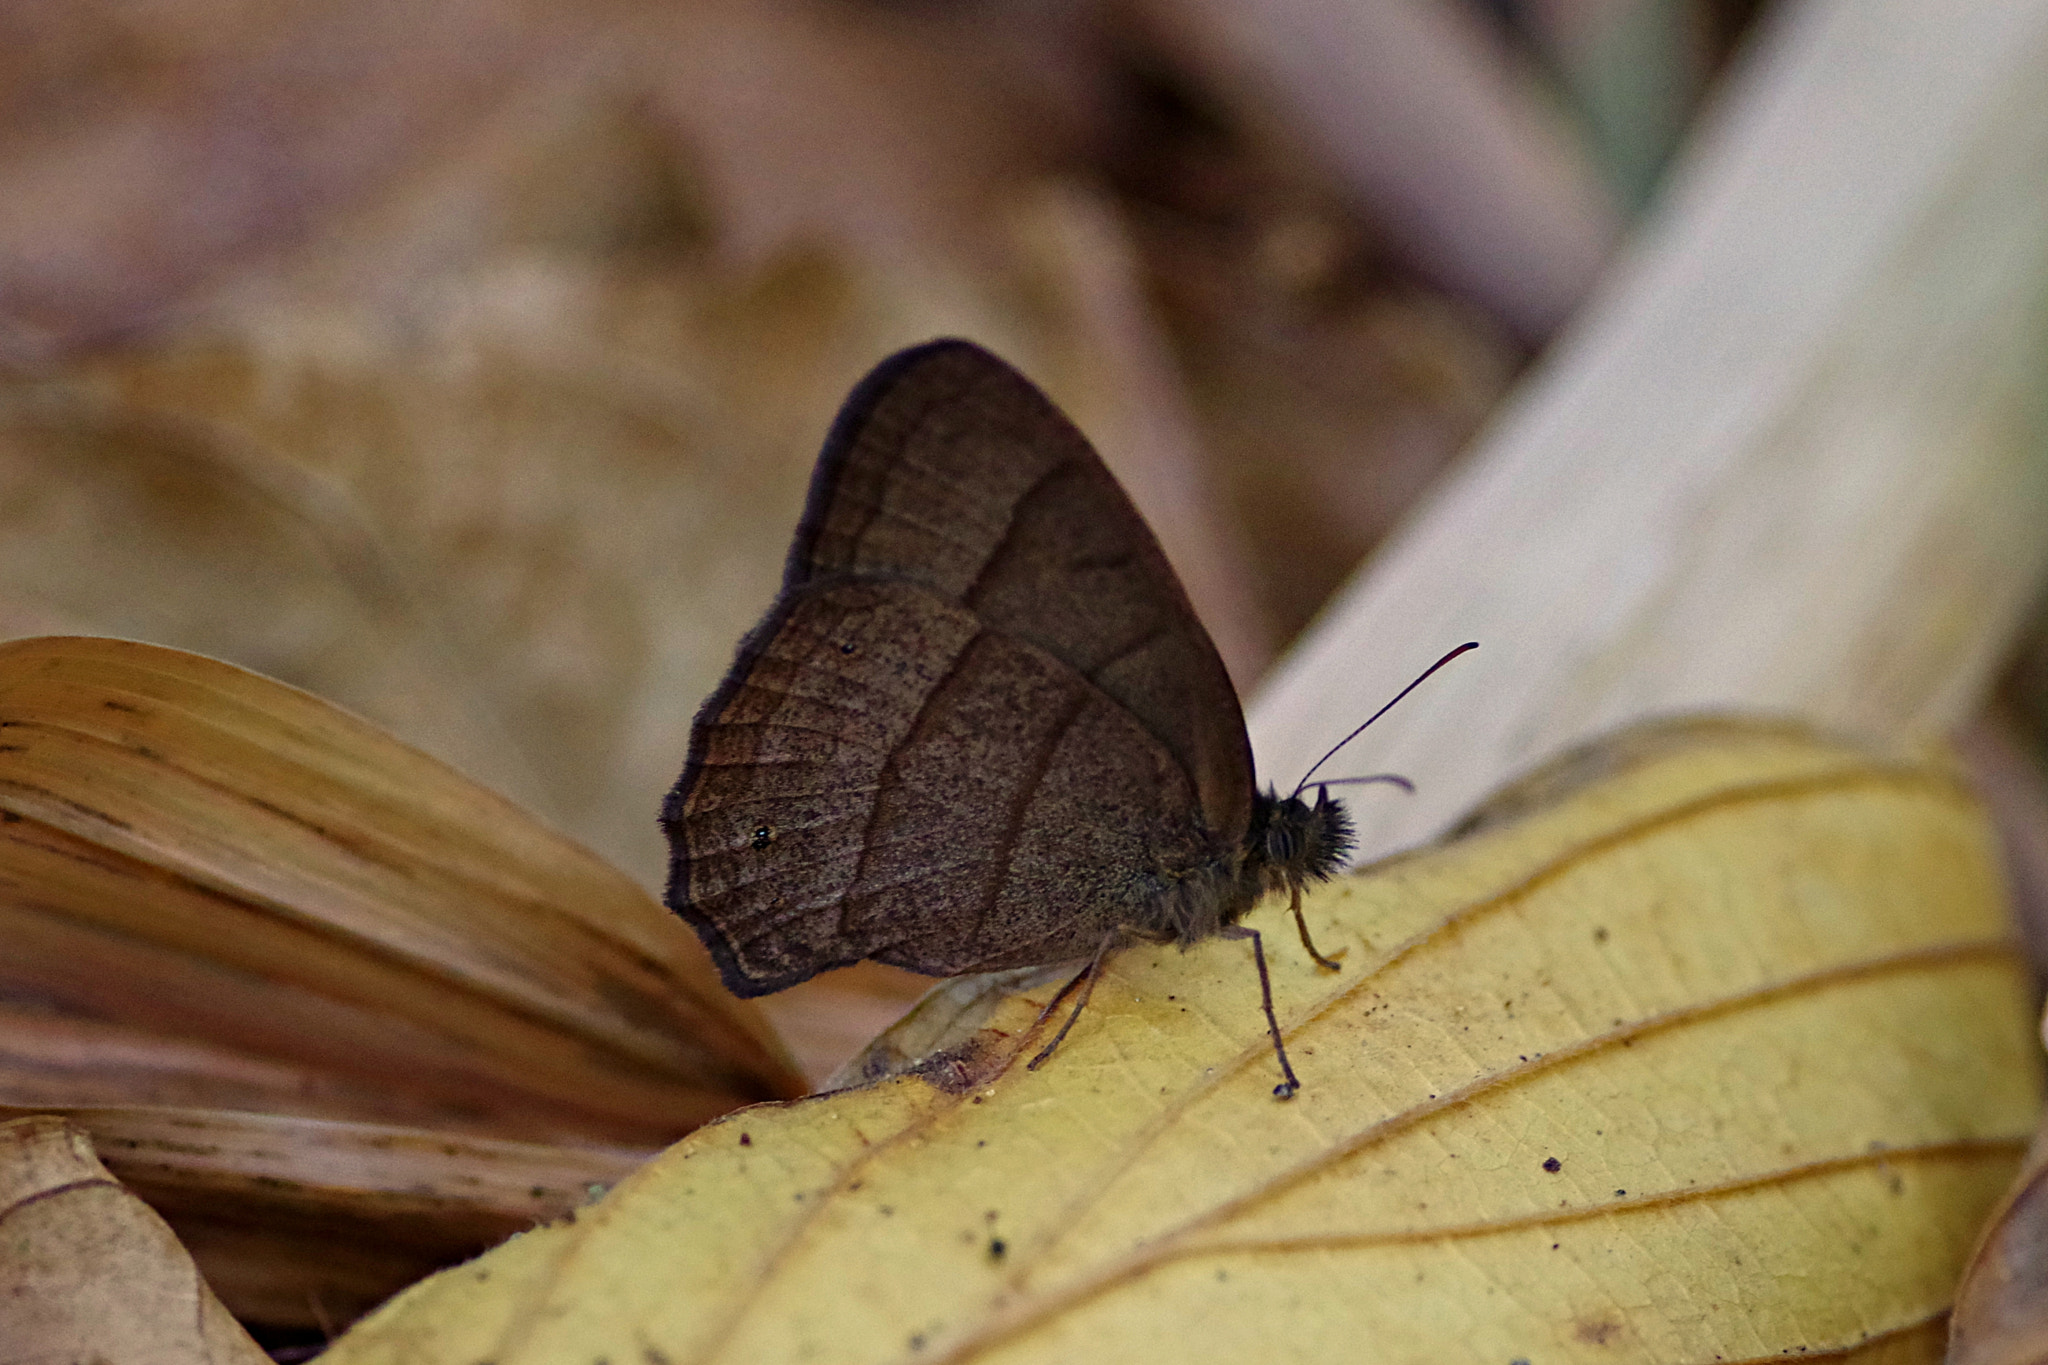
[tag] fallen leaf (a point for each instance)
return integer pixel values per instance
(309, 1222)
(340, 1014)
(205, 850)
(1725, 1055)
(88, 1273)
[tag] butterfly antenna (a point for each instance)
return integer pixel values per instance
(1461, 649)
(1391, 779)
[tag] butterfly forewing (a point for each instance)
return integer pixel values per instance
(948, 468)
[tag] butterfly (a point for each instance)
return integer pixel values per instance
(980, 727)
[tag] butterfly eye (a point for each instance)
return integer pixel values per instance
(763, 837)
(846, 648)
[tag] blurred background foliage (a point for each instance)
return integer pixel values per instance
(463, 363)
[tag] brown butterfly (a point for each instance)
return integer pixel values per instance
(981, 726)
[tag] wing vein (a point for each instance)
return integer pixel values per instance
(972, 591)
(797, 729)
(1004, 847)
(892, 766)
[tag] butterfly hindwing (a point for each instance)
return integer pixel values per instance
(888, 778)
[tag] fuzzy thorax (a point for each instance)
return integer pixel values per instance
(1288, 844)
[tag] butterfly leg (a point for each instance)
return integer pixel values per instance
(1285, 1090)
(1088, 974)
(1326, 963)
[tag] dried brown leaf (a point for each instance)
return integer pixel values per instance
(221, 894)
(89, 1273)
(204, 852)
(311, 1223)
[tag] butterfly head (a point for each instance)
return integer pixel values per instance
(1293, 842)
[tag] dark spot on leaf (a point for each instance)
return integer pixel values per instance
(997, 1248)
(1600, 934)
(1552, 1165)
(1597, 1331)
(746, 1139)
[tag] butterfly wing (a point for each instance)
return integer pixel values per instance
(981, 721)
(948, 468)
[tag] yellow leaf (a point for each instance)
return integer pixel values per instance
(88, 1273)
(1723, 1056)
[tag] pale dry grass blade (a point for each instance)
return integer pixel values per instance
(1790, 458)
(1416, 111)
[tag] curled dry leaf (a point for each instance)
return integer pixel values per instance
(1724, 1055)
(89, 1273)
(205, 852)
(439, 1021)
(302, 1222)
